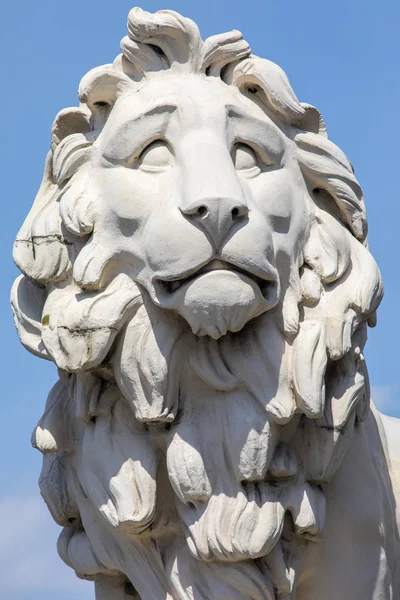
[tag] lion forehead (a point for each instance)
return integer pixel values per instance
(192, 103)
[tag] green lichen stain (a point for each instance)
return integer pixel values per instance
(45, 319)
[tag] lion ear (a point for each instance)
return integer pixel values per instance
(68, 121)
(261, 73)
(312, 120)
(101, 86)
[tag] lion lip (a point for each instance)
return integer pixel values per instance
(170, 286)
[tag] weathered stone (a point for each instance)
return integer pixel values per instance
(195, 264)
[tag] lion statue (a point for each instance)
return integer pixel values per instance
(196, 265)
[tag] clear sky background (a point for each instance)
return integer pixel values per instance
(342, 56)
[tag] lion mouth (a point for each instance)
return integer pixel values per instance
(171, 286)
(217, 297)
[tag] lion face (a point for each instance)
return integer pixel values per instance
(201, 200)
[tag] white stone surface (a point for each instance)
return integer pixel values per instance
(195, 264)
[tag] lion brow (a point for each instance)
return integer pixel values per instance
(260, 127)
(160, 109)
(239, 113)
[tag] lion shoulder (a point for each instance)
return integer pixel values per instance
(390, 436)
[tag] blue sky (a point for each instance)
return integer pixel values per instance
(341, 56)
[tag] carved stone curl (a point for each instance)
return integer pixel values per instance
(195, 263)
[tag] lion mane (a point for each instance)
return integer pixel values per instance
(173, 462)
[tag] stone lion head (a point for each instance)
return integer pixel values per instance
(196, 265)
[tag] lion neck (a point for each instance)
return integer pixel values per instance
(245, 465)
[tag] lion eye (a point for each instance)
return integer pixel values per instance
(157, 155)
(244, 157)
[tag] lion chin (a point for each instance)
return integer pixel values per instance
(219, 299)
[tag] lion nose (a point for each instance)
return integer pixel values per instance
(216, 216)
